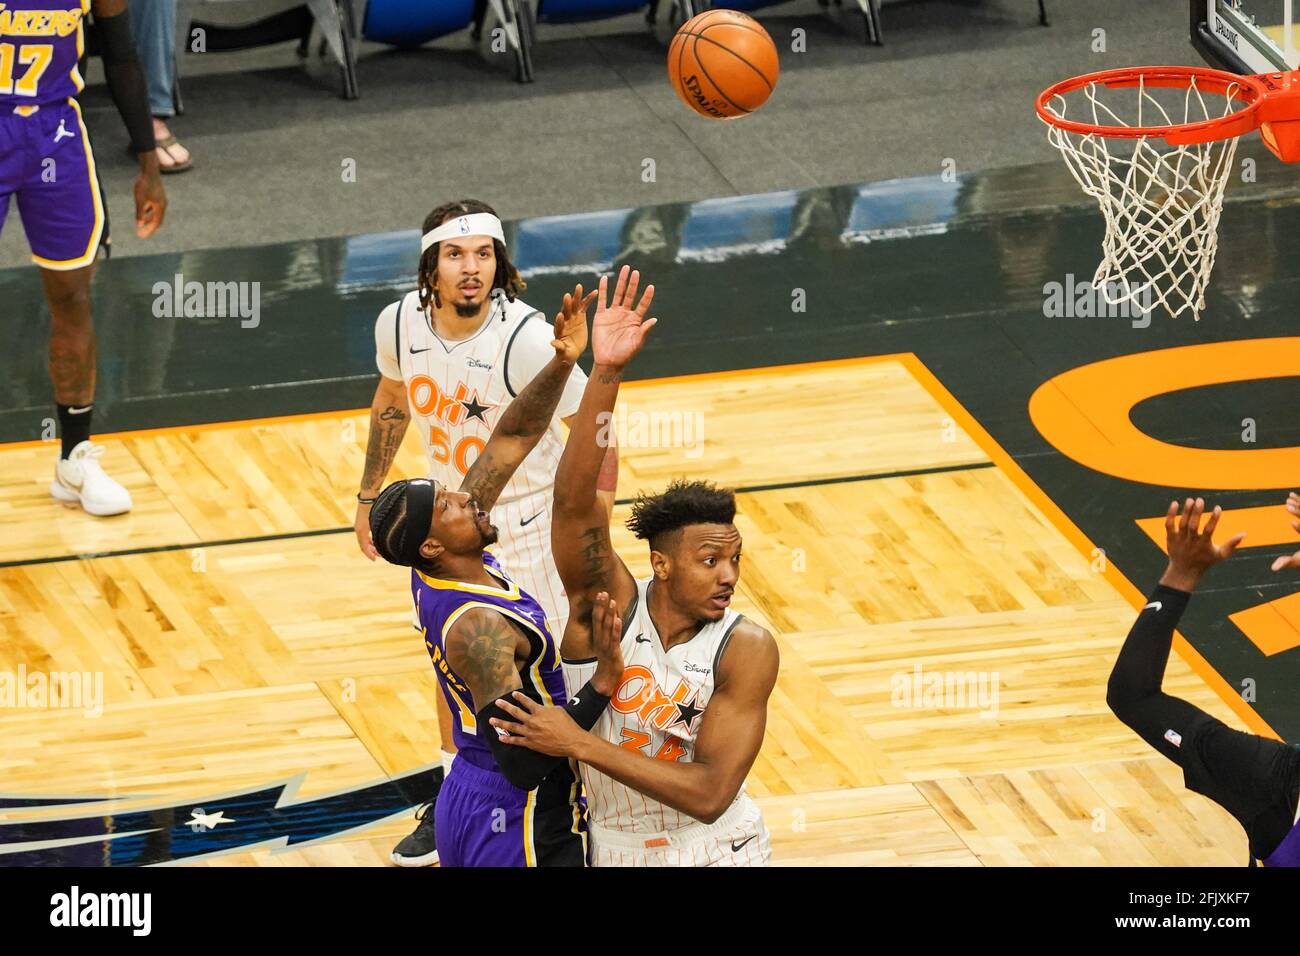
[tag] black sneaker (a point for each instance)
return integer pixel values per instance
(421, 847)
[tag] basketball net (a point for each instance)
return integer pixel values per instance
(1161, 203)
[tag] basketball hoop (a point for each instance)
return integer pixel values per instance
(1157, 163)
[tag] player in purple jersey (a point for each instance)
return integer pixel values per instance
(47, 164)
(1254, 778)
(499, 805)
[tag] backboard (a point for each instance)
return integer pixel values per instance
(1246, 36)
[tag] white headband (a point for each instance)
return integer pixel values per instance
(477, 224)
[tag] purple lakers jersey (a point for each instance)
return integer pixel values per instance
(440, 604)
(41, 42)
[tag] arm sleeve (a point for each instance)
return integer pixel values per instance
(526, 768)
(528, 352)
(386, 343)
(126, 79)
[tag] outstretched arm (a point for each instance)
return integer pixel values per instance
(580, 540)
(731, 733)
(526, 419)
(1133, 692)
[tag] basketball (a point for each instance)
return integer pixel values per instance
(722, 64)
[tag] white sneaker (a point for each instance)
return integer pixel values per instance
(80, 478)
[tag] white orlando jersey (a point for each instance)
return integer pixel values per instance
(457, 390)
(656, 711)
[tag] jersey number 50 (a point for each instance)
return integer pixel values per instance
(466, 450)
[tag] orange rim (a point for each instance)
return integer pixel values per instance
(1247, 90)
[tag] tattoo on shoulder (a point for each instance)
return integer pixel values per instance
(488, 644)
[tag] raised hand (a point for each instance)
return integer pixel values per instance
(571, 325)
(1291, 561)
(607, 637)
(1191, 548)
(618, 330)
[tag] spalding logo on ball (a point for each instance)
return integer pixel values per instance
(723, 64)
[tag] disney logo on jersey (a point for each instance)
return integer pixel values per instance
(639, 693)
(693, 668)
(472, 362)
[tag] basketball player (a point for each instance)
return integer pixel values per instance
(453, 354)
(1254, 778)
(664, 769)
(499, 806)
(47, 163)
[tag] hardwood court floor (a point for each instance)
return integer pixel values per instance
(887, 539)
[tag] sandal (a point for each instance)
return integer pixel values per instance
(165, 145)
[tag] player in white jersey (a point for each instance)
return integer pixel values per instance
(664, 768)
(452, 355)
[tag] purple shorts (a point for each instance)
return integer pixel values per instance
(46, 162)
(482, 820)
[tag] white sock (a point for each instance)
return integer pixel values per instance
(447, 757)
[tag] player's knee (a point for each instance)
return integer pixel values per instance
(69, 303)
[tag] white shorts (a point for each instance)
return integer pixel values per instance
(737, 838)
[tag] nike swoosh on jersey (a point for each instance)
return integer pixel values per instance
(525, 524)
(737, 847)
(642, 640)
(1155, 604)
(418, 351)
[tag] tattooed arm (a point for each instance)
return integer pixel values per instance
(389, 417)
(525, 420)
(484, 648)
(486, 651)
(580, 540)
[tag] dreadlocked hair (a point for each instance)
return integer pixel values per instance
(682, 503)
(507, 276)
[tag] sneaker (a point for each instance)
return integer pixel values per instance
(80, 478)
(421, 847)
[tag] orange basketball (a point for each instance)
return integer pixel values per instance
(722, 64)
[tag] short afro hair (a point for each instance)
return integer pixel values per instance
(682, 503)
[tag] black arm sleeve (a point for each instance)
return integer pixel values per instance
(126, 79)
(525, 768)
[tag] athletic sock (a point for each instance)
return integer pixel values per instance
(74, 426)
